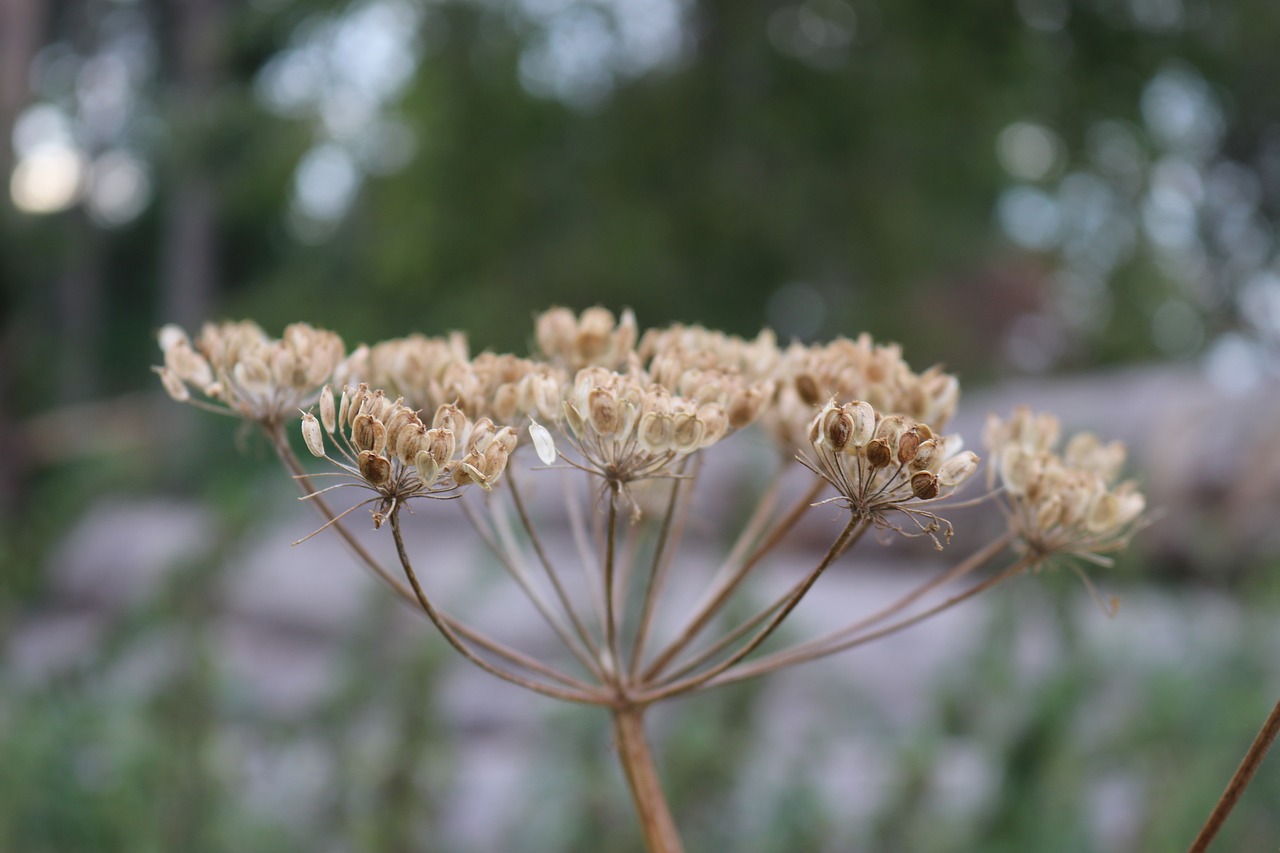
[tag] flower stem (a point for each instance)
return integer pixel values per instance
(642, 778)
(1244, 773)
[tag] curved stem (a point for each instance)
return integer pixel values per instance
(504, 548)
(657, 575)
(589, 698)
(791, 657)
(964, 567)
(610, 605)
(704, 614)
(1239, 781)
(300, 476)
(583, 634)
(659, 828)
(851, 532)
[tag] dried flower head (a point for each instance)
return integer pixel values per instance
(855, 369)
(1064, 503)
(238, 369)
(594, 338)
(887, 465)
(384, 446)
(627, 428)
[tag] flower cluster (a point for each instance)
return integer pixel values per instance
(1066, 503)
(882, 464)
(385, 446)
(237, 368)
(595, 338)
(859, 369)
(627, 428)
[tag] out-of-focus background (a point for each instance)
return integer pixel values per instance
(1069, 202)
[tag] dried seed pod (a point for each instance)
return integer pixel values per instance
(427, 468)
(328, 416)
(688, 432)
(602, 411)
(376, 469)
(837, 428)
(441, 443)
(312, 436)
(958, 468)
(543, 444)
(878, 453)
(864, 422)
(924, 485)
(908, 444)
(368, 433)
(807, 388)
(656, 433)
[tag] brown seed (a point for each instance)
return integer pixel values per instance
(924, 485)
(375, 469)
(807, 388)
(878, 453)
(908, 444)
(368, 433)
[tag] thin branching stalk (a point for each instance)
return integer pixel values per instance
(587, 556)
(589, 697)
(851, 532)
(974, 561)
(653, 584)
(514, 563)
(610, 604)
(536, 543)
(300, 476)
(1239, 781)
(703, 615)
(789, 657)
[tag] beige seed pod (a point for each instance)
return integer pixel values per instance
(957, 469)
(688, 432)
(715, 423)
(506, 402)
(594, 330)
(602, 411)
(450, 417)
(410, 440)
(441, 443)
(375, 469)
(481, 434)
(312, 436)
(837, 428)
(574, 419)
(864, 422)
(427, 468)
(745, 407)
(368, 434)
(656, 433)
(928, 455)
(328, 417)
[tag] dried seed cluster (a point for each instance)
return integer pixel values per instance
(887, 465)
(858, 369)
(1063, 503)
(627, 428)
(634, 407)
(236, 367)
(386, 447)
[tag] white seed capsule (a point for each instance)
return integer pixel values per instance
(543, 444)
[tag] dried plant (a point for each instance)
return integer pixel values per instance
(625, 421)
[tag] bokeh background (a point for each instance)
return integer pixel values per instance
(1071, 202)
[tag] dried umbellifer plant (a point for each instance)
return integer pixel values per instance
(625, 421)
